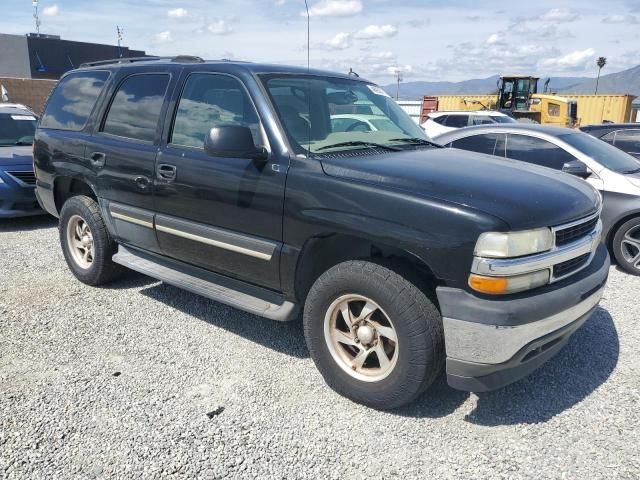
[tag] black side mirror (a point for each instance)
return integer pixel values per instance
(577, 168)
(233, 141)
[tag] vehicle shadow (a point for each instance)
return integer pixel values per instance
(284, 337)
(584, 364)
(36, 222)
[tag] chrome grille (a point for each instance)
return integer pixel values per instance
(575, 232)
(27, 177)
(570, 266)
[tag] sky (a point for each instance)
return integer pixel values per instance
(424, 39)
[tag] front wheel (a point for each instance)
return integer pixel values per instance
(86, 243)
(375, 337)
(626, 246)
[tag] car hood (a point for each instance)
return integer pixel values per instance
(16, 156)
(523, 195)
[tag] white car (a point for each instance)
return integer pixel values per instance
(442, 122)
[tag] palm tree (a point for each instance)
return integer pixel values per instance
(601, 62)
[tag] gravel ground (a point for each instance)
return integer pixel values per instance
(140, 379)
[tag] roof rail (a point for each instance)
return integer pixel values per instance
(118, 60)
(178, 58)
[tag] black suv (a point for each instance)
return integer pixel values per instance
(226, 179)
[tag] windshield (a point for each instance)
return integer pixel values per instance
(606, 155)
(17, 129)
(326, 115)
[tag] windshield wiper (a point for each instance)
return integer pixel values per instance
(360, 143)
(416, 141)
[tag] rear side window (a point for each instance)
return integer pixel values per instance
(457, 121)
(481, 143)
(208, 101)
(73, 100)
(136, 106)
(442, 119)
(537, 151)
(628, 140)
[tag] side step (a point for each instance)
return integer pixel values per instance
(252, 299)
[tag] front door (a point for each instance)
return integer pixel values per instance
(222, 214)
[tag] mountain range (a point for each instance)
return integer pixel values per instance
(625, 82)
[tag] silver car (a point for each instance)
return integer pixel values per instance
(611, 171)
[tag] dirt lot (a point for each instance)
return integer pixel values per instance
(142, 379)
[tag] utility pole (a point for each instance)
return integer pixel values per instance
(36, 16)
(119, 32)
(398, 80)
(601, 62)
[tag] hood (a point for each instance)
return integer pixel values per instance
(16, 156)
(523, 195)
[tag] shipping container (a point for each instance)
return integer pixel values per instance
(594, 109)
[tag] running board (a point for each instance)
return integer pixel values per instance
(216, 287)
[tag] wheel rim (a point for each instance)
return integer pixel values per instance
(80, 242)
(361, 338)
(631, 246)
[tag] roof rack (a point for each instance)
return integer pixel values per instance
(178, 58)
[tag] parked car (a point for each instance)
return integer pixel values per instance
(438, 123)
(226, 179)
(17, 181)
(625, 136)
(614, 173)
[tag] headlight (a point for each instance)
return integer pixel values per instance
(504, 285)
(513, 244)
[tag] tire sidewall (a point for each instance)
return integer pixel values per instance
(617, 246)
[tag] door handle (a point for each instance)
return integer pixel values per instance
(167, 172)
(98, 159)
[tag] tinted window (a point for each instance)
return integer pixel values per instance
(73, 100)
(609, 137)
(479, 143)
(457, 121)
(603, 153)
(628, 140)
(209, 101)
(537, 151)
(136, 106)
(17, 128)
(442, 119)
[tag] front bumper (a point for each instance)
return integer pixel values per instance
(17, 200)
(491, 342)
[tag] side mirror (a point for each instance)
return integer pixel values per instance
(233, 141)
(577, 168)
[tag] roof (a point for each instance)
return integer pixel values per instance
(15, 109)
(503, 128)
(470, 112)
(257, 68)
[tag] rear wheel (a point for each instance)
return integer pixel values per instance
(375, 337)
(626, 246)
(86, 243)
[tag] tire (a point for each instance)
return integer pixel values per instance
(414, 360)
(97, 268)
(626, 246)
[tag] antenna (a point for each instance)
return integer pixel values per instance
(36, 17)
(308, 36)
(398, 80)
(119, 32)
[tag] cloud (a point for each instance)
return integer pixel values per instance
(219, 27)
(178, 13)
(340, 41)
(162, 38)
(496, 39)
(335, 8)
(617, 19)
(572, 61)
(560, 15)
(51, 11)
(376, 31)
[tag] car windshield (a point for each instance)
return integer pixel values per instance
(17, 129)
(606, 155)
(326, 115)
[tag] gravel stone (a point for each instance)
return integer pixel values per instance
(64, 413)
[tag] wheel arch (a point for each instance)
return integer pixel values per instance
(65, 187)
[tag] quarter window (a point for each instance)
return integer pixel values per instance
(208, 101)
(537, 151)
(73, 100)
(135, 109)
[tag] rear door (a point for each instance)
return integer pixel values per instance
(124, 148)
(218, 213)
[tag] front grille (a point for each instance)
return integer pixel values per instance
(566, 268)
(27, 177)
(576, 232)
